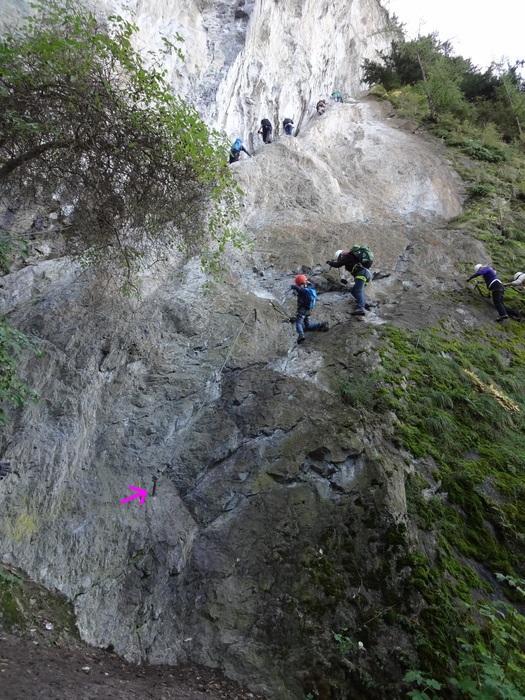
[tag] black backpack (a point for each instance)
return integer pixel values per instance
(266, 123)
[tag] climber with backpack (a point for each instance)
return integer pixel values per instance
(288, 126)
(266, 130)
(235, 151)
(306, 302)
(357, 262)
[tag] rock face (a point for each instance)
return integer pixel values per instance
(262, 484)
(249, 59)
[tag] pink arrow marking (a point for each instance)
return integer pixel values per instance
(141, 493)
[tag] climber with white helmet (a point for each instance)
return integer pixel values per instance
(356, 261)
(497, 290)
(306, 301)
(518, 281)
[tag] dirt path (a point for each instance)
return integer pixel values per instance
(31, 670)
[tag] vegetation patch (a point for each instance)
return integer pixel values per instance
(28, 608)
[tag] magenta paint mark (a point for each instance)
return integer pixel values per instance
(141, 493)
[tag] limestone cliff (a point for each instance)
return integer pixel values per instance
(260, 481)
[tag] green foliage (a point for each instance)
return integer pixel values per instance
(481, 151)
(23, 606)
(480, 190)
(402, 65)
(450, 408)
(366, 391)
(94, 133)
(13, 345)
(10, 249)
(425, 684)
(491, 659)
(451, 84)
(345, 644)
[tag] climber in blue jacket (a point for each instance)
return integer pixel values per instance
(306, 302)
(235, 151)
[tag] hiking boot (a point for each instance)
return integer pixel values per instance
(358, 312)
(301, 339)
(501, 318)
(324, 327)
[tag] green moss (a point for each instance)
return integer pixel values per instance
(24, 604)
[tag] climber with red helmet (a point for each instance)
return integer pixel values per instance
(306, 301)
(497, 290)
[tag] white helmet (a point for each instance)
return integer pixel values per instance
(477, 267)
(338, 253)
(518, 274)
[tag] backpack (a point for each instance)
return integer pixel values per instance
(266, 123)
(362, 254)
(237, 145)
(312, 294)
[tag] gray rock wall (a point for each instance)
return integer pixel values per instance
(249, 59)
(269, 500)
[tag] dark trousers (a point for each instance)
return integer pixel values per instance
(498, 290)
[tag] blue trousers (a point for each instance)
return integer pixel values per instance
(358, 292)
(303, 323)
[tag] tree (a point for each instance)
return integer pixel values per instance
(89, 131)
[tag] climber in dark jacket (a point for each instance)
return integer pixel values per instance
(288, 126)
(266, 130)
(361, 276)
(497, 290)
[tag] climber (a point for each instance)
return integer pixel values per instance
(306, 301)
(497, 290)
(321, 107)
(356, 261)
(266, 130)
(235, 151)
(288, 126)
(337, 96)
(518, 281)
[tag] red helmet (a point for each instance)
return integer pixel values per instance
(301, 279)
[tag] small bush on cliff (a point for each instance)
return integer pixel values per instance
(12, 391)
(93, 134)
